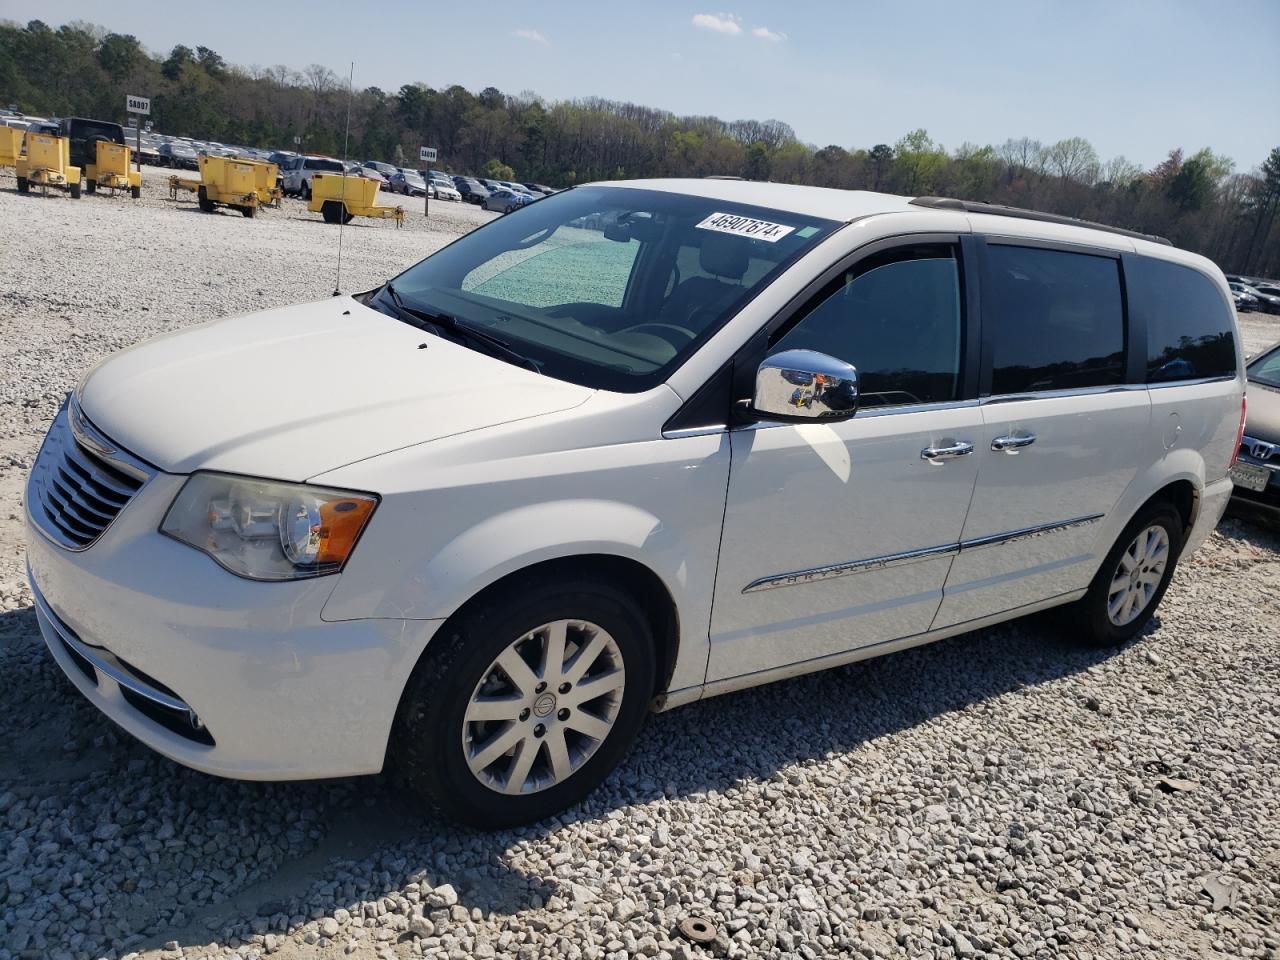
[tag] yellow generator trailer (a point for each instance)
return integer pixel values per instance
(242, 185)
(99, 149)
(47, 164)
(10, 145)
(110, 171)
(338, 198)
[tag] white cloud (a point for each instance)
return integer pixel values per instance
(535, 35)
(727, 23)
(764, 33)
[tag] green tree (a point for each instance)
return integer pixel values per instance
(497, 170)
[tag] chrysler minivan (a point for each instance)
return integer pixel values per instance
(635, 445)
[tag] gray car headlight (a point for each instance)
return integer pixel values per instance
(267, 530)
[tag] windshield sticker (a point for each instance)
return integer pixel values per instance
(745, 227)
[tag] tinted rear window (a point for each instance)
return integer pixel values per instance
(1190, 334)
(1056, 319)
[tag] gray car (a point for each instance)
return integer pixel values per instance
(1256, 473)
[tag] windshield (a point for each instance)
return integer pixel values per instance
(610, 287)
(1266, 368)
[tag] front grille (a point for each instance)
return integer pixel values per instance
(80, 481)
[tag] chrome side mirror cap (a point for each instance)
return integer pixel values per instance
(804, 386)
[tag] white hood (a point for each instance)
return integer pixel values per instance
(294, 392)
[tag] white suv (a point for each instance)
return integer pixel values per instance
(635, 445)
(296, 174)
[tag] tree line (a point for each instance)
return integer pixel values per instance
(1196, 199)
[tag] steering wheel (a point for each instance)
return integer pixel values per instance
(664, 331)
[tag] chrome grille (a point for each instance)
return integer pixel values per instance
(80, 481)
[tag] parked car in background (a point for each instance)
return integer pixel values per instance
(1245, 300)
(176, 153)
(1256, 473)
(386, 170)
(486, 561)
(407, 182)
(443, 189)
(504, 201)
(296, 175)
(359, 170)
(539, 188)
(1268, 297)
(472, 190)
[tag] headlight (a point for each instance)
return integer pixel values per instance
(266, 530)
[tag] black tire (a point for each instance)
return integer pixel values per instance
(75, 191)
(202, 198)
(332, 211)
(427, 744)
(305, 191)
(24, 185)
(135, 192)
(250, 211)
(91, 186)
(1087, 620)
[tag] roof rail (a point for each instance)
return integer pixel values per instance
(1000, 210)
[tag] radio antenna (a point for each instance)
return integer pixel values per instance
(342, 216)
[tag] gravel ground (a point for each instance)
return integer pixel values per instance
(998, 794)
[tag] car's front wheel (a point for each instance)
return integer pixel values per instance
(523, 705)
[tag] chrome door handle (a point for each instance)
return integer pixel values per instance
(938, 454)
(1012, 444)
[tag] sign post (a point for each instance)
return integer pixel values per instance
(427, 155)
(140, 107)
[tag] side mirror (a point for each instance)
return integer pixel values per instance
(804, 386)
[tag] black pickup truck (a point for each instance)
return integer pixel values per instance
(84, 136)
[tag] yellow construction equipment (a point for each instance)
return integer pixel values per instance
(111, 171)
(243, 185)
(10, 146)
(47, 164)
(339, 198)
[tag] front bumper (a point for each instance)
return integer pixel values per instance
(153, 632)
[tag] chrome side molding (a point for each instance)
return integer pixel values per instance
(831, 571)
(834, 570)
(1028, 533)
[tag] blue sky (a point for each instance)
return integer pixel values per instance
(1136, 77)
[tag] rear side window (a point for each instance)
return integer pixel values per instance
(1056, 320)
(1189, 328)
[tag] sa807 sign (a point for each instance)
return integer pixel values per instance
(141, 105)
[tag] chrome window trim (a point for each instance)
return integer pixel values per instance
(1073, 392)
(1164, 384)
(868, 412)
(695, 431)
(834, 570)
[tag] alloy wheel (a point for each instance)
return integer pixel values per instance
(543, 707)
(1137, 577)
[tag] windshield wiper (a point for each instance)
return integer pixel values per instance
(429, 320)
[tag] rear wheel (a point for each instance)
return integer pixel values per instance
(306, 190)
(521, 707)
(1131, 581)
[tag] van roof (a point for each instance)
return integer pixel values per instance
(846, 205)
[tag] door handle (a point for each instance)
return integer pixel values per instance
(1012, 444)
(956, 448)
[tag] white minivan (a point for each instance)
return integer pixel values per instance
(636, 445)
